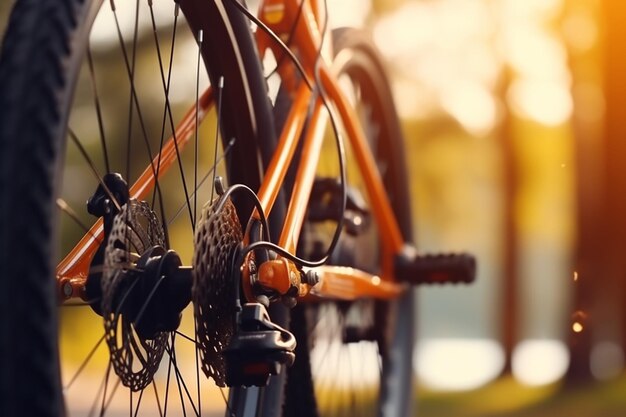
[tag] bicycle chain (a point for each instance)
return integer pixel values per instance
(217, 237)
(135, 230)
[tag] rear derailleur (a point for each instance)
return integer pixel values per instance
(258, 349)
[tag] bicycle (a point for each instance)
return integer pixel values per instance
(267, 311)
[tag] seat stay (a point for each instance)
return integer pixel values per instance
(301, 28)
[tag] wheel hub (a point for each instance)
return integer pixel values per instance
(138, 286)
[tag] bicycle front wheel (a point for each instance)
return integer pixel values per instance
(354, 358)
(90, 88)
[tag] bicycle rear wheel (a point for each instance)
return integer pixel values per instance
(52, 93)
(355, 358)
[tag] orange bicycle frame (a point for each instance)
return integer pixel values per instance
(335, 282)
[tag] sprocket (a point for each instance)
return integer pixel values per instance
(218, 235)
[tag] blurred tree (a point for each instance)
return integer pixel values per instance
(610, 298)
(510, 276)
(598, 200)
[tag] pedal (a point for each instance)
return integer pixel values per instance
(258, 349)
(415, 269)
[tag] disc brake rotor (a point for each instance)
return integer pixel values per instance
(217, 236)
(135, 230)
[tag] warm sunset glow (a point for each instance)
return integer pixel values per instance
(457, 364)
(472, 105)
(445, 60)
(447, 49)
(545, 101)
(349, 13)
(540, 362)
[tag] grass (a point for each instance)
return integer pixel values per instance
(507, 398)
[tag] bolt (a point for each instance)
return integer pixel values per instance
(220, 188)
(263, 299)
(67, 289)
(311, 277)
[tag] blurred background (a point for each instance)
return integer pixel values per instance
(515, 121)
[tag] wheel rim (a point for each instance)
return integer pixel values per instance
(360, 377)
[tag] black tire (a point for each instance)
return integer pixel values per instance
(40, 62)
(317, 393)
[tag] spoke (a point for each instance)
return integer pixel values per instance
(228, 409)
(167, 112)
(197, 350)
(167, 382)
(180, 394)
(85, 155)
(96, 96)
(333, 337)
(138, 402)
(184, 336)
(148, 299)
(195, 194)
(131, 77)
(130, 71)
(166, 86)
(203, 180)
(158, 400)
(217, 130)
(157, 188)
(342, 386)
(198, 373)
(365, 353)
(137, 352)
(108, 403)
(84, 364)
(349, 387)
(125, 296)
(133, 92)
(104, 393)
(180, 379)
(92, 410)
(62, 204)
(195, 166)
